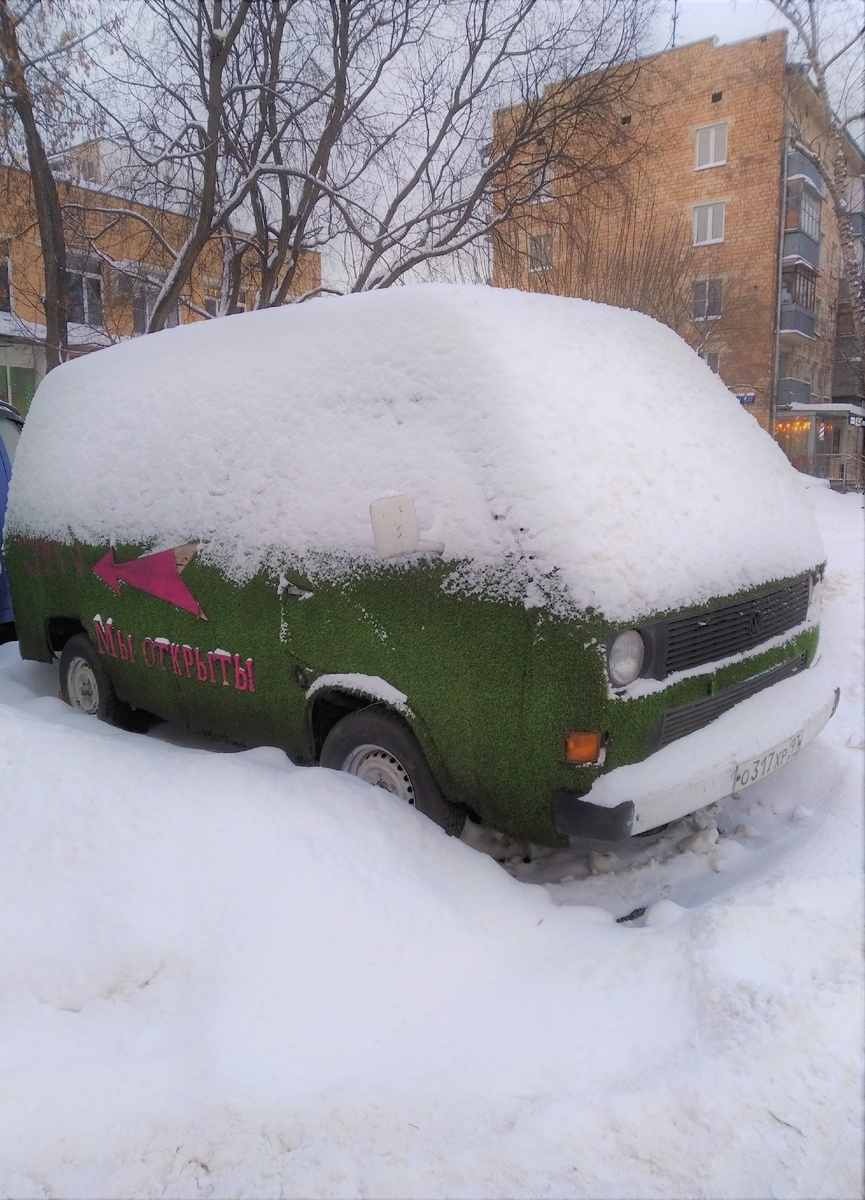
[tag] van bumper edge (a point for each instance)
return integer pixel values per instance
(577, 816)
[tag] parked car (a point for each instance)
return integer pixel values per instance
(10, 429)
(513, 555)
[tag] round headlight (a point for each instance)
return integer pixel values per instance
(626, 657)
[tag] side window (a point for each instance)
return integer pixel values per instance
(708, 224)
(710, 147)
(9, 434)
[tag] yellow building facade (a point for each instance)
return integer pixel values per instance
(118, 254)
(713, 219)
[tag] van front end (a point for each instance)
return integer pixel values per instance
(700, 705)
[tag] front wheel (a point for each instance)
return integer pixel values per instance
(85, 685)
(375, 746)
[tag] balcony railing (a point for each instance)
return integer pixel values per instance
(796, 319)
(798, 164)
(794, 391)
(797, 244)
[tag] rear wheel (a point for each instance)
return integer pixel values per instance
(375, 746)
(85, 685)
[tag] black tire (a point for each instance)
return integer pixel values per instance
(375, 745)
(85, 685)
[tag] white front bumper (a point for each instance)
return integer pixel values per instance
(701, 768)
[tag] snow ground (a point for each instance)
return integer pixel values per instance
(223, 975)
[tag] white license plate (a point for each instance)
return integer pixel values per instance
(758, 768)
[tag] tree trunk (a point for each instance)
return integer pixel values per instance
(48, 211)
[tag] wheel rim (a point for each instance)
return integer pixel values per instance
(378, 766)
(82, 686)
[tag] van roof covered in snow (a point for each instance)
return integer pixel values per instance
(556, 447)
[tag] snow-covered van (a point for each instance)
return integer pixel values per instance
(513, 555)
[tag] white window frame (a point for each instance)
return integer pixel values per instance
(710, 222)
(145, 288)
(86, 268)
(712, 147)
(706, 287)
(540, 264)
(541, 190)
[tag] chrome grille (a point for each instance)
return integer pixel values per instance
(710, 636)
(688, 718)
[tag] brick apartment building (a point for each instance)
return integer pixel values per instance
(115, 264)
(717, 223)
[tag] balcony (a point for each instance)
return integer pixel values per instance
(798, 165)
(798, 245)
(796, 319)
(793, 391)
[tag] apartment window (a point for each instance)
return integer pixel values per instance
(144, 297)
(706, 302)
(712, 359)
(803, 209)
(540, 183)
(212, 297)
(798, 286)
(708, 224)
(541, 252)
(5, 289)
(710, 149)
(213, 302)
(84, 288)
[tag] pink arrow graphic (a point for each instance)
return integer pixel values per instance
(156, 574)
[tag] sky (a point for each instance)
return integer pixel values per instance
(728, 20)
(733, 20)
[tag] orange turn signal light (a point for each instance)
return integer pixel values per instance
(583, 747)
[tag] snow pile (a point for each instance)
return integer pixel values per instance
(222, 975)
(555, 446)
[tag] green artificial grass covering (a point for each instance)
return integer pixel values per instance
(493, 687)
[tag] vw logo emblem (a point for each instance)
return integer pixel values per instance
(756, 622)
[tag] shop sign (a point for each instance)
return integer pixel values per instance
(856, 422)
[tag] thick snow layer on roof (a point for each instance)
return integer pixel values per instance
(548, 441)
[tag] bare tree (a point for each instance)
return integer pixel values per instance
(359, 127)
(29, 74)
(609, 246)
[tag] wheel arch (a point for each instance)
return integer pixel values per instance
(58, 631)
(331, 697)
